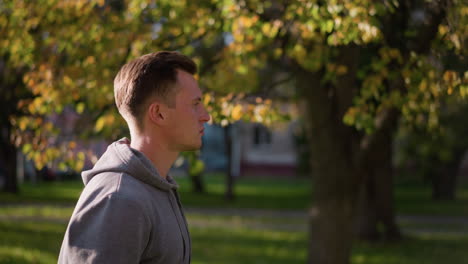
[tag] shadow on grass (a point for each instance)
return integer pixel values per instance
(416, 199)
(39, 242)
(250, 193)
(279, 194)
(247, 246)
(251, 246)
(298, 201)
(427, 249)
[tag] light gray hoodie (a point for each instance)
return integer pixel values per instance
(126, 213)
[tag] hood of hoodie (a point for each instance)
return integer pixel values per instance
(120, 158)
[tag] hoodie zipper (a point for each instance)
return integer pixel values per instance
(185, 223)
(181, 222)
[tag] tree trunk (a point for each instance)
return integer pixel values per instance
(197, 183)
(376, 196)
(229, 194)
(8, 161)
(366, 218)
(195, 172)
(11, 90)
(444, 182)
(11, 184)
(331, 219)
(335, 178)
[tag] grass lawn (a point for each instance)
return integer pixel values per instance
(39, 242)
(251, 193)
(415, 199)
(30, 241)
(280, 194)
(33, 234)
(421, 249)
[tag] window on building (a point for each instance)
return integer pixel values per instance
(262, 135)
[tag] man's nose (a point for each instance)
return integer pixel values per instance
(205, 116)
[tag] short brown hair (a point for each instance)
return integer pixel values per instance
(150, 75)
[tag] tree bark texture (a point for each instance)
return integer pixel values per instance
(444, 180)
(8, 161)
(11, 91)
(375, 203)
(341, 155)
(335, 178)
(341, 158)
(229, 193)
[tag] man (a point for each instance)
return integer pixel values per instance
(129, 210)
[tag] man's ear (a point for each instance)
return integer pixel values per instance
(157, 113)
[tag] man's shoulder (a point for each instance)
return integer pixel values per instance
(118, 185)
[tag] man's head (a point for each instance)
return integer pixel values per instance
(157, 94)
(152, 75)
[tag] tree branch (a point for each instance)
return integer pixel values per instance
(423, 40)
(387, 120)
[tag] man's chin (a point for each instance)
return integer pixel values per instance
(193, 147)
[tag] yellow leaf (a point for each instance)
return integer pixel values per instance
(341, 69)
(81, 156)
(207, 99)
(23, 124)
(266, 28)
(80, 108)
(67, 80)
(48, 74)
(261, 111)
(242, 69)
(72, 144)
(48, 126)
(90, 60)
(79, 165)
(278, 52)
(423, 85)
(100, 123)
(237, 112)
(110, 119)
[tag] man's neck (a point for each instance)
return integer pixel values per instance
(158, 154)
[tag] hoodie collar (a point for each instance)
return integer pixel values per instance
(121, 158)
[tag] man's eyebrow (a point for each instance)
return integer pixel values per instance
(198, 99)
